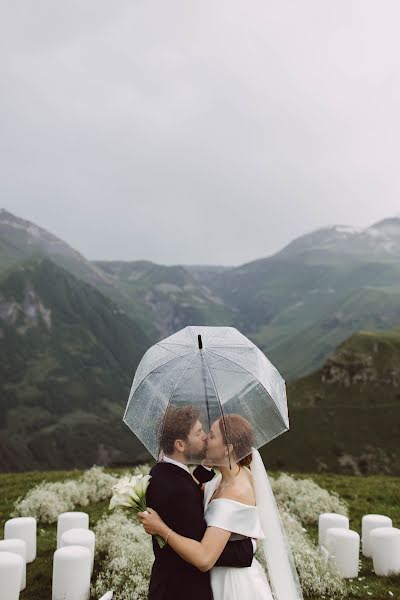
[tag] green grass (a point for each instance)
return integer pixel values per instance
(370, 494)
(39, 572)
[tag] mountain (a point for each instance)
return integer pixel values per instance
(21, 240)
(345, 417)
(316, 291)
(304, 350)
(379, 240)
(68, 359)
(72, 332)
(159, 299)
(298, 304)
(166, 299)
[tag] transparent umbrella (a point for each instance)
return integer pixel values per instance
(218, 371)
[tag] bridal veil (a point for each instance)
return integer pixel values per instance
(284, 581)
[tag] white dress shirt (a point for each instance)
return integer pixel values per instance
(167, 459)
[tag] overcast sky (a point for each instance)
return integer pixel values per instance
(209, 131)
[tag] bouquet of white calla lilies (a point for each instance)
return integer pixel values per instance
(131, 493)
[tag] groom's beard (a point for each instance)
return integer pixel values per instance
(191, 456)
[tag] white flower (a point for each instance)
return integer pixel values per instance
(121, 500)
(305, 499)
(128, 557)
(126, 549)
(130, 492)
(142, 485)
(136, 478)
(47, 500)
(125, 488)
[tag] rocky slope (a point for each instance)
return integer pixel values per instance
(345, 417)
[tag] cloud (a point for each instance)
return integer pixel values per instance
(208, 132)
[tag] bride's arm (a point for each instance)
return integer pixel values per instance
(202, 555)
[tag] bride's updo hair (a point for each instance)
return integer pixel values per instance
(240, 434)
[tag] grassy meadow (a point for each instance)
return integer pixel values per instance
(368, 494)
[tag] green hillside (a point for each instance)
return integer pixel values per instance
(21, 240)
(345, 417)
(68, 358)
(166, 299)
(158, 298)
(300, 303)
(364, 308)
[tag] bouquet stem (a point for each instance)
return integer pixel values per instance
(142, 508)
(161, 541)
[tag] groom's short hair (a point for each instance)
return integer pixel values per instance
(176, 425)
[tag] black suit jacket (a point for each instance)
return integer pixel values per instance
(176, 497)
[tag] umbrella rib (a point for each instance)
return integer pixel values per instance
(154, 369)
(231, 346)
(248, 372)
(241, 367)
(163, 343)
(192, 335)
(172, 393)
(220, 406)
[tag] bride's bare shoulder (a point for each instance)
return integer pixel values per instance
(242, 491)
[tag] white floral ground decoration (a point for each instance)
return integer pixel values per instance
(47, 500)
(124, 554)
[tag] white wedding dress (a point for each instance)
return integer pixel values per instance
(231, 583)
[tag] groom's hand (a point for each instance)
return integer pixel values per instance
(203, 474)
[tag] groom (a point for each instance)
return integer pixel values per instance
(178, 499)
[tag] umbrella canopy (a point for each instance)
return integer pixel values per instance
(218, 371)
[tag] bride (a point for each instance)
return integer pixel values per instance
(238, 503)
